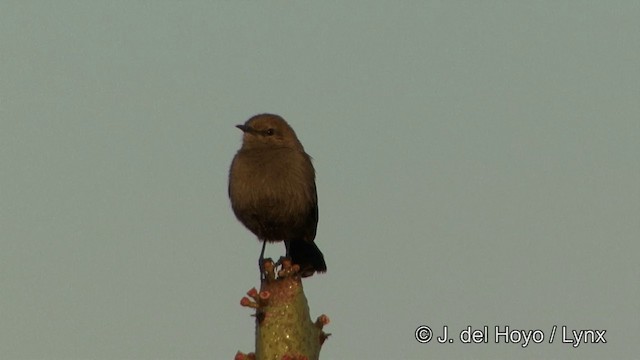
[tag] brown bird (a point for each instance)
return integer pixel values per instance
(273, 191)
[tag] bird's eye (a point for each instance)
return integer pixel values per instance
(270, 132)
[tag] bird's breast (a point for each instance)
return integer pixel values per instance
(279, 179)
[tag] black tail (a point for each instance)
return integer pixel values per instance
(307, 255)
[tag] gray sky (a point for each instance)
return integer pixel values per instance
(477, 164)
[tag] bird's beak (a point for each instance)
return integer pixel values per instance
(247, 129)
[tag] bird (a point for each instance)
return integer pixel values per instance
(272, 190)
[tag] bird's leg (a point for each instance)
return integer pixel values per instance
(261, 260)
(287, 246)
(287, 256)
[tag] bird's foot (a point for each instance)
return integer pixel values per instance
(267, 269)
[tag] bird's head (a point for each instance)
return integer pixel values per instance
(268, 131)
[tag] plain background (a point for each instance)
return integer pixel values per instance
(477, 164)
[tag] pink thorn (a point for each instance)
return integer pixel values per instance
(253, 293)
(245, 301)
